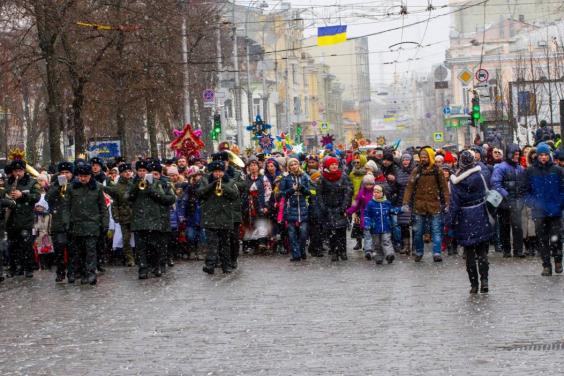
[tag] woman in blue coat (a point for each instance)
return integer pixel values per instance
(295, 189)
(469, 219)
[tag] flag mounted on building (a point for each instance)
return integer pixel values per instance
(329, 35)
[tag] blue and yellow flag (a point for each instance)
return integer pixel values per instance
(329, 35)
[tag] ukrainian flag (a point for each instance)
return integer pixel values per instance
(329, 35)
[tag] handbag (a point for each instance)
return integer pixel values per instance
(493, 200)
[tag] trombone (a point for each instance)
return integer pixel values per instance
(63, 191)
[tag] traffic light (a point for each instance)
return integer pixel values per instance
(216, 127)
(475, 113)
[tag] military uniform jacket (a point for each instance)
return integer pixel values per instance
(147, 205)
(241, 185)
(168, 199)
(89, 214)
(22, 216)
(121, 207)
(216, 213)
(59, 208)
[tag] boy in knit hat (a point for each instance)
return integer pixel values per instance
(378, 220)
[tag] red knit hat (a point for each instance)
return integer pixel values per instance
(449, 158)
(329, 161)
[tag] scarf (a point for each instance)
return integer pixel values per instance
(332, 176)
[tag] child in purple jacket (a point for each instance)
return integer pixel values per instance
(359, 204)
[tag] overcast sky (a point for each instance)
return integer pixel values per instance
(369, 16)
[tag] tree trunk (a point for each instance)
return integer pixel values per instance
(78, 122)
(151, 126)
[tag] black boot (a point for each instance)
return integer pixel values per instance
(358, 245)
(484, 286)
(208, 269)
(474, 289)
(344, 255)
(334, 256)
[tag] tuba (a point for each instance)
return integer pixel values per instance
(142, 185)
(218, 188)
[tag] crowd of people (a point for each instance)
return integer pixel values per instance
(152, 213)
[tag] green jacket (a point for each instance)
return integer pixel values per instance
(147, 206)
(121, 207)
(89, 214)
(235, 207)
(168, 200)
(59, 207)
(22, 215)
(215, 213)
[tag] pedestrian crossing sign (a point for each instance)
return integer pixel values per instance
(438, 136)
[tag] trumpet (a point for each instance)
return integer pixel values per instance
(63, 190)
(218, 188)
(142, 185)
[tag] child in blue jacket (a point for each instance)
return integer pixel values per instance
(378, 219)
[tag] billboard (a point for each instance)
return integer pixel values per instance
(104, 149)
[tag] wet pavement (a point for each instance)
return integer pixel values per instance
(273, 317)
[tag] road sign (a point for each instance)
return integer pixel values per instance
(465, 76)
(441, 84)
(438, 136)
(441, 73)
(446, 110)
(209, 95)
(482, 75)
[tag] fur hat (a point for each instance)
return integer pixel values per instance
(143, 164)
(388, 156)
(216, 165)
(98, 161)
(124, 167)
(157, 166)
(84, 169)
(406, 157)
(18, 164)
(65, 166)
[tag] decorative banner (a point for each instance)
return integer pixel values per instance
(258, 129)
(298, 149)
(381, 141)
(187, 142)
(266, 142)
(284, 143)
(329, 35)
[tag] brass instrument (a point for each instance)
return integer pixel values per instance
(218, 188)
(63, 190)
(234, 159)
(142, 185)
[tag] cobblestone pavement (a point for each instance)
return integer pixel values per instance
(273, 317)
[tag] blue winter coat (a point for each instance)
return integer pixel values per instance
(295, 206)
(378, 216)
(467, 215)
(509, 178)
(545, 190)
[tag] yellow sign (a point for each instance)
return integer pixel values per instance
(465, 76)
(438, 136)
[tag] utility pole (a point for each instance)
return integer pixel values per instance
(237, 89)
(561, 121)
(249, 92)
(186, 72)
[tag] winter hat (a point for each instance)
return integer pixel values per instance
(329, 161)
(439, 158)
(388, 156)
(378, 188)
(172, 170)
(43, 204)
(559, 155)
(368, 179)
(156, 166)
(467, 159)
(18, 164)
(449, 158)
(372, 165)
(65, 166)
(314, 174)
(84, 169)
(542, 148)
(194, 170)
(216, 165)
(97, 161)
(124, 167)
(142, 164)
(406, 157)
